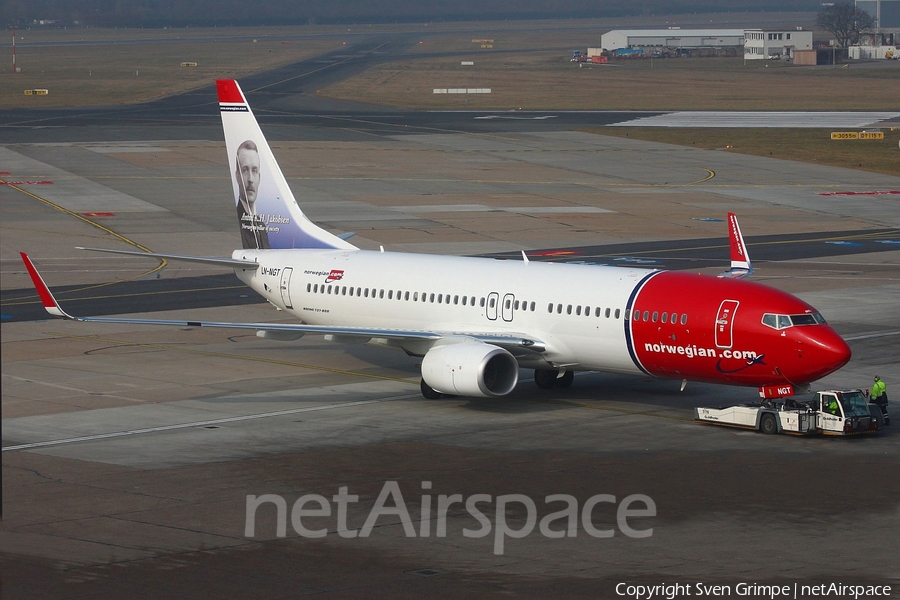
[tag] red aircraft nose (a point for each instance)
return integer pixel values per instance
(824, 352)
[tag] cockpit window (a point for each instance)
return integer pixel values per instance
(785, 321)
(809, 319)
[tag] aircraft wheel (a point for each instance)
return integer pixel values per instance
(428, 392)
(768, 424)
(566, 380)
(545, 378)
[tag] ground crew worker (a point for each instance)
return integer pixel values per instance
(879, 394)
(833, 406)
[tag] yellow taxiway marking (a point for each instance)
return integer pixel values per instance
(162, 262)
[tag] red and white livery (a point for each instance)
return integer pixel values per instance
(476, 321)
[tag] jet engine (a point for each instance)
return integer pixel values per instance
(470, 368)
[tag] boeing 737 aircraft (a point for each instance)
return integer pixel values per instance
(476, 321)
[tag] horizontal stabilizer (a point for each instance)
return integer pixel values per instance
(208, 260)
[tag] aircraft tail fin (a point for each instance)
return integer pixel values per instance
(740, 259)
(268, 214)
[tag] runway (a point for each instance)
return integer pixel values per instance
(130, 453)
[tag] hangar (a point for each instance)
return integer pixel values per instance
(673, 37)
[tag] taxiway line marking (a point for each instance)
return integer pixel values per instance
(129, 432)
(162, 262)
(272, 361)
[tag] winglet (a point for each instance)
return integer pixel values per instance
(47, 299)
(740, 259)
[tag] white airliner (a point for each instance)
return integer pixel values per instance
(476, 321)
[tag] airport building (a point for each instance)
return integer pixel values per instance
(761, 44)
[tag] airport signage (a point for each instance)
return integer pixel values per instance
(857, 135)
(38, 92)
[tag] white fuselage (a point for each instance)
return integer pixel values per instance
(576, 310)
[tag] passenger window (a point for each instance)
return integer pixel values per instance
(665, 318)
(578, 310)
(607, 314)
(491, 302)
(390, 294)
(431, 298)
(559, 309)
(308, 287)
(550, 308)
(532, 307)
(473, 300)
(516, 307)
(481, 304)
(381, 294)
(617, 313)
(464, 300)
(597, 311)
(406, 295)
(627, 313)
(655, 316)
(455, 299)
(344, 291)
(646, 315)
(569, 309)
(684, 319)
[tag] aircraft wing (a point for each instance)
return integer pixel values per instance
(287, 331)
(740, 259)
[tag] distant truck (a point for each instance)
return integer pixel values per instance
(830, 412)
(580, 57)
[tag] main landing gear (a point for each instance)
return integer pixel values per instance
(550, 378)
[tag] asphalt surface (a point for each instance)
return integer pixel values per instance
(130, 452)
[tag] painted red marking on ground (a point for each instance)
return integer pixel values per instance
(555, 253)
(868, 193)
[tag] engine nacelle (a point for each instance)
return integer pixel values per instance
(470, 368)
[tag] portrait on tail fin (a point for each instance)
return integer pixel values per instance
(254, 231)
(269, 216)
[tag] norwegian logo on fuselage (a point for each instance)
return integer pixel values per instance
(335, 275)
